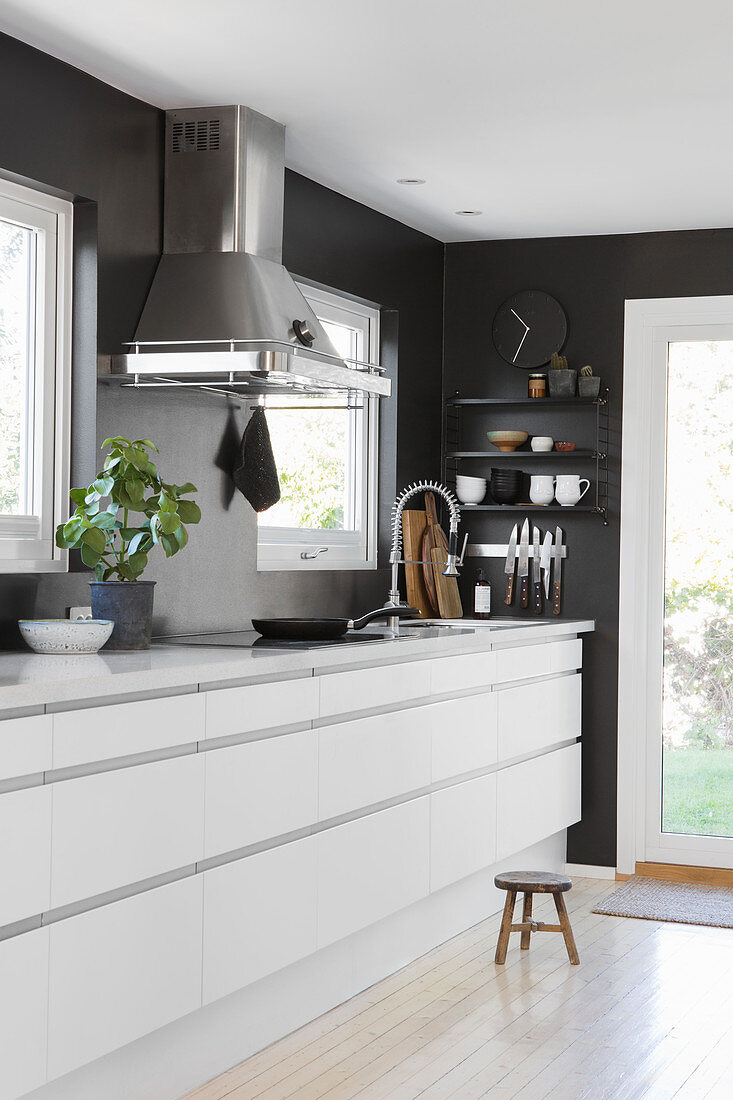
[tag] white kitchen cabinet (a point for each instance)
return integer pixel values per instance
(121, 971)
(122, 729)
(259, 916)
(537, 798)
(25, 853)
(464, 735)
(124, 826)
(372, 867)
(543, 659)
(369, 688)
(260, 789)
(462, 672)
(230, 711)
(25, 745)
(373, 759)
(462, 830)
(536, 716)
(23, 1013)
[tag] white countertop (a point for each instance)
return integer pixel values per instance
(34, 681)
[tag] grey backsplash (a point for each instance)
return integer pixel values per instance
(213, 584)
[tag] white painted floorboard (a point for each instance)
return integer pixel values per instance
(647, 1014)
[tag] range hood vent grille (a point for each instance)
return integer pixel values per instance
(201, 136)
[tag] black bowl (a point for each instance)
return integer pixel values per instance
(506, 496)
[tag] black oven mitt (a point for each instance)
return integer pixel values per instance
(255, 472)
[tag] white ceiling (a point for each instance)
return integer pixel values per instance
(553, 117)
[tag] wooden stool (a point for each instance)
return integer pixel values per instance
(529, 883)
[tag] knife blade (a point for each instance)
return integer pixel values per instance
(523, 567)
(511, 556)
(557, 586)
(546, 561)
(536, 574)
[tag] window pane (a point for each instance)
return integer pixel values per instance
(16, 317)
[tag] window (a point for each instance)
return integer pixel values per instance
(35, 370)
(326, 453)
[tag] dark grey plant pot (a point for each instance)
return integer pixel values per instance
(589, 386)
(562, 382)
(130, 606)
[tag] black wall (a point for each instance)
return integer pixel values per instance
(591, 277)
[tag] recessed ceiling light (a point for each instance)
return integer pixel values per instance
(469, 213)
(410, 180)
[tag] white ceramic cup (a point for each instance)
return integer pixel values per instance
(541, 488)
(542, 443)
(568, 491)
(470, 490)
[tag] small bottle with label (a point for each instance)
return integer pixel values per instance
(481, 597)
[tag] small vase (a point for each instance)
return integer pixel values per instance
(130, 605)
(589, 386)
(562, 382)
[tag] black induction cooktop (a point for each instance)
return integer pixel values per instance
(249, 639)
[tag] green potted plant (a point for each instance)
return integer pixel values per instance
(119, 519)
(561, 378)
(589, 384)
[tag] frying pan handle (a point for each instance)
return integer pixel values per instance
(385, 613)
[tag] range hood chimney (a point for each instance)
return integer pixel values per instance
(221, 305)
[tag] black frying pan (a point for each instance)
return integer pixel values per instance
(321, 630)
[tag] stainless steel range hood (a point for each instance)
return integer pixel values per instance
(221, 306)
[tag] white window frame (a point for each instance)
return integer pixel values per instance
(650, 326)
(27, 542)
(282, 548)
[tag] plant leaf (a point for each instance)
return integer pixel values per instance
(135, 542)
(90, 556)
(105, 521)
(189, 487)
(103, 485)
(115, 439)
(169, 522)
(79, 496)
(169, 544)
(95, 539)
(181, 536)
(137, 562)
(189, 511)
(147, 443)
(166, 503)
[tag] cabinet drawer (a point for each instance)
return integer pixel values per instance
(372, 867)
(259, 916)
(122, 971)
(372, 759)
(23, 1013)
(524, 662)
(25, 745)
(462, 830)
(102, 733)
(536, 799)
(124, 826)
(535, 716)
(260, 706)
(464, 735)
(260, 789)
(467, 670)
(368, 688)
(25, 853)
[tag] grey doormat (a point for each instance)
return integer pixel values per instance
(681, 902)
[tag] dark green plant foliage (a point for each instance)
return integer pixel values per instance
(110, 539)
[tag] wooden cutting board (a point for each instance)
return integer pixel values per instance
(449, 598)
(430, 540)
(414, 523)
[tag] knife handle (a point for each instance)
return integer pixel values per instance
(537, 597)
(509, 588)
(556, 598)
(524, 591)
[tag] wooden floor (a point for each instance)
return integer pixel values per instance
(648, 1013)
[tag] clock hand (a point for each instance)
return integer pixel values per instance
(526, 330)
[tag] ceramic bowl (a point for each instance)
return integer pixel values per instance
(507, 441)
(65, 635)
(470, 490)
(541, 443)
(563, 445)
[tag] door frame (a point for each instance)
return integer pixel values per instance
(649, 325)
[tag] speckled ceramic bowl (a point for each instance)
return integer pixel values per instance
(65, 635)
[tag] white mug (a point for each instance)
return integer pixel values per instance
(568, 491)
(541, 488)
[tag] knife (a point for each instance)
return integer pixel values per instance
(536, 574)
(523, 569)
(546, 561)
(510, 566)
(557, 586)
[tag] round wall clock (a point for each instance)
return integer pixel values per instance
(529, 328)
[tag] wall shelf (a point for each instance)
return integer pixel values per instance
(527, 507)
(522, 455)
(530, 402)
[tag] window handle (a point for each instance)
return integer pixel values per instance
(309, 555)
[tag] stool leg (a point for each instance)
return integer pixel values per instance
(506, 926)
(566, 929)
(526, 915)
